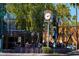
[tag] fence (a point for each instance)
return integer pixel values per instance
(69, 35)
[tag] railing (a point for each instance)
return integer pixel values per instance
(69, 35)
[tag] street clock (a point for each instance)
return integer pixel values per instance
(47, 14)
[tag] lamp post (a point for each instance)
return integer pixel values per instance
(76, 27)
(47, 16)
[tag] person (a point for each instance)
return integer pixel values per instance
(60, 42)
(27, 47)
(59, 22)
(51, 41)
(44, 42)
(54, 36)
(44, 38)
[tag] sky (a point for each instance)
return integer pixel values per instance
(73, 12)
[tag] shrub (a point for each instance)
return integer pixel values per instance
(47, 50)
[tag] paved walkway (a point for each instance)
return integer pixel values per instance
(23, 50)
(76, 52)
(31, 54)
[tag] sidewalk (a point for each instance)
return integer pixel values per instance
(76, 52)
(31, 54)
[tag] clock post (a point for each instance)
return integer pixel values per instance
(47, 16)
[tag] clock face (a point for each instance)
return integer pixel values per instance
(47, 16)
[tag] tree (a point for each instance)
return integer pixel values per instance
(29, 16)
(23, 13)
(62, 12)
(76, 6)
(74, 17)
(39, 14)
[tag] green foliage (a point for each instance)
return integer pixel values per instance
(23, 13)
(47, 50)
(74, 17)
(73, 23)
(63, 10)
(29, 16)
